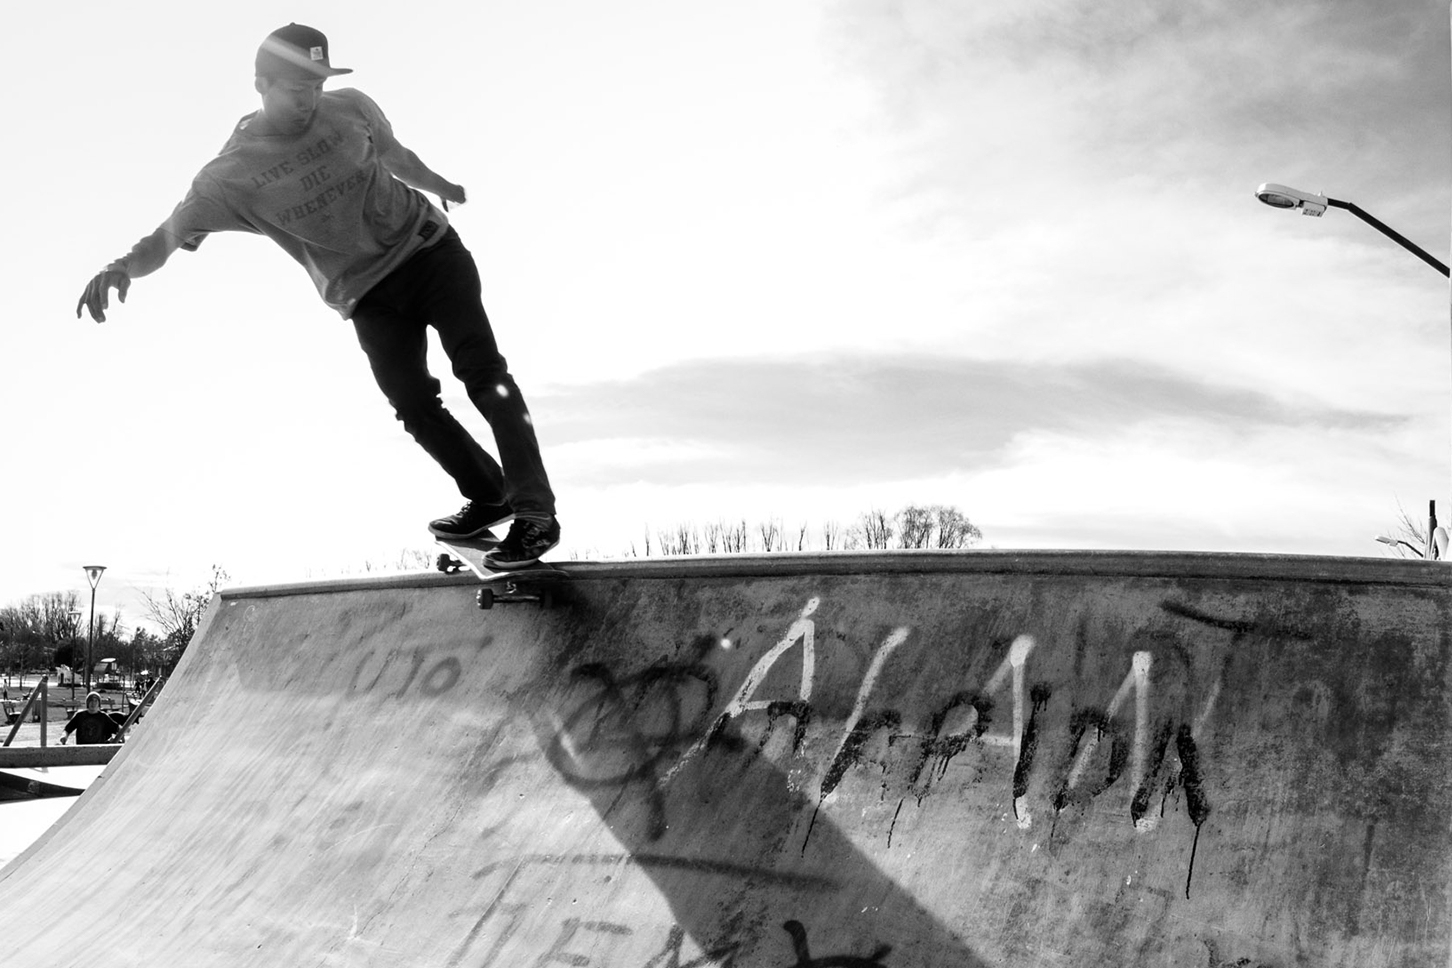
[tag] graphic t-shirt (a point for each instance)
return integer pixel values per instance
(92, 727)
(323, 195)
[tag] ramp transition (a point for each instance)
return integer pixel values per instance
(783, 762)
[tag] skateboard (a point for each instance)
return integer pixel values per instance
(526, 583)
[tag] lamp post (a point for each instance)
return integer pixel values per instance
(1398, 541)
(1309, 203)
(75, 614)
(1281, 196)
(93, 575)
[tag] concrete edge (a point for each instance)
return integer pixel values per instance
(1103, 564)
(40, 757)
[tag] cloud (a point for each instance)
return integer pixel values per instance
(1347, 95)
(879, 419)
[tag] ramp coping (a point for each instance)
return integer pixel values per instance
(1133, 564)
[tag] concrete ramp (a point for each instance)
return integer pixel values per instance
(887, 761)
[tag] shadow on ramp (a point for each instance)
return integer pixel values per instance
(751, 868)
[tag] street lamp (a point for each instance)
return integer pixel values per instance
(1398, 541)
(75, 615)
(1282, 196)
(93, 575)
(1309, 203)
(1439, 542)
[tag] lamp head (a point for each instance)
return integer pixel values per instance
(1283, 196)
(93, 574)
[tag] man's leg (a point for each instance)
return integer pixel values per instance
(396, 344)
(449, 292)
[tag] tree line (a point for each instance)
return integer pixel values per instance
(49, 630)
(916, 526)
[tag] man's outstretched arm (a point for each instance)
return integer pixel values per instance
(145, 257)
(408, 168)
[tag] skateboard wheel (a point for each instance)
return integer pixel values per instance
(485, 598)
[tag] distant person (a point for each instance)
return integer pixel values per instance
(322, 175)
(91, 725)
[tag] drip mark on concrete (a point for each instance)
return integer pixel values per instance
(893, 826)
(1195, 799)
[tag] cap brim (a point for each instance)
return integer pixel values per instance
(295, 72)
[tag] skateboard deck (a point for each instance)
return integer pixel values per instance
(525, 583)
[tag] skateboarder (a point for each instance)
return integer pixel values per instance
(322, 175)
(91, 725)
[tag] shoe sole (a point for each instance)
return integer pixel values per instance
(453, 536)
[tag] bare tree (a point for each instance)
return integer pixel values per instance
(733, 537)
(954, 530)
(1409, 537)
(916, 526)
(875, 530)
(935, 526)
(40, 625)
(409, 559)
(180, 615)
(683, 540)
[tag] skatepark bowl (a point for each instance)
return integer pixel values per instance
(787, 761)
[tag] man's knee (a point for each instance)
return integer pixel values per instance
(412, 398)
(498, 393)
(418, 410)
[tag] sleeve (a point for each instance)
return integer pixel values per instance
(203, 211)
(379, 128)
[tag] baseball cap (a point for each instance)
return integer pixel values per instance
(296, 51)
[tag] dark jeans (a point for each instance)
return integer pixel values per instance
(439, 287)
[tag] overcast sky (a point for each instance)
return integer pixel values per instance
(752, 259)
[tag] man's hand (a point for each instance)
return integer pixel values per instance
(452, 196)
(97, 297)
(64, 738)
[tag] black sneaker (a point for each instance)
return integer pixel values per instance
(473, 520)
(526, 544)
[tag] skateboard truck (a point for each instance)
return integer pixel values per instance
(512, 590)
(523, 583)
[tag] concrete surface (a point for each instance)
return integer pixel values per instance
(786, 762)
(21, 822)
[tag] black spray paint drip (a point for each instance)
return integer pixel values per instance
(1195, 799)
